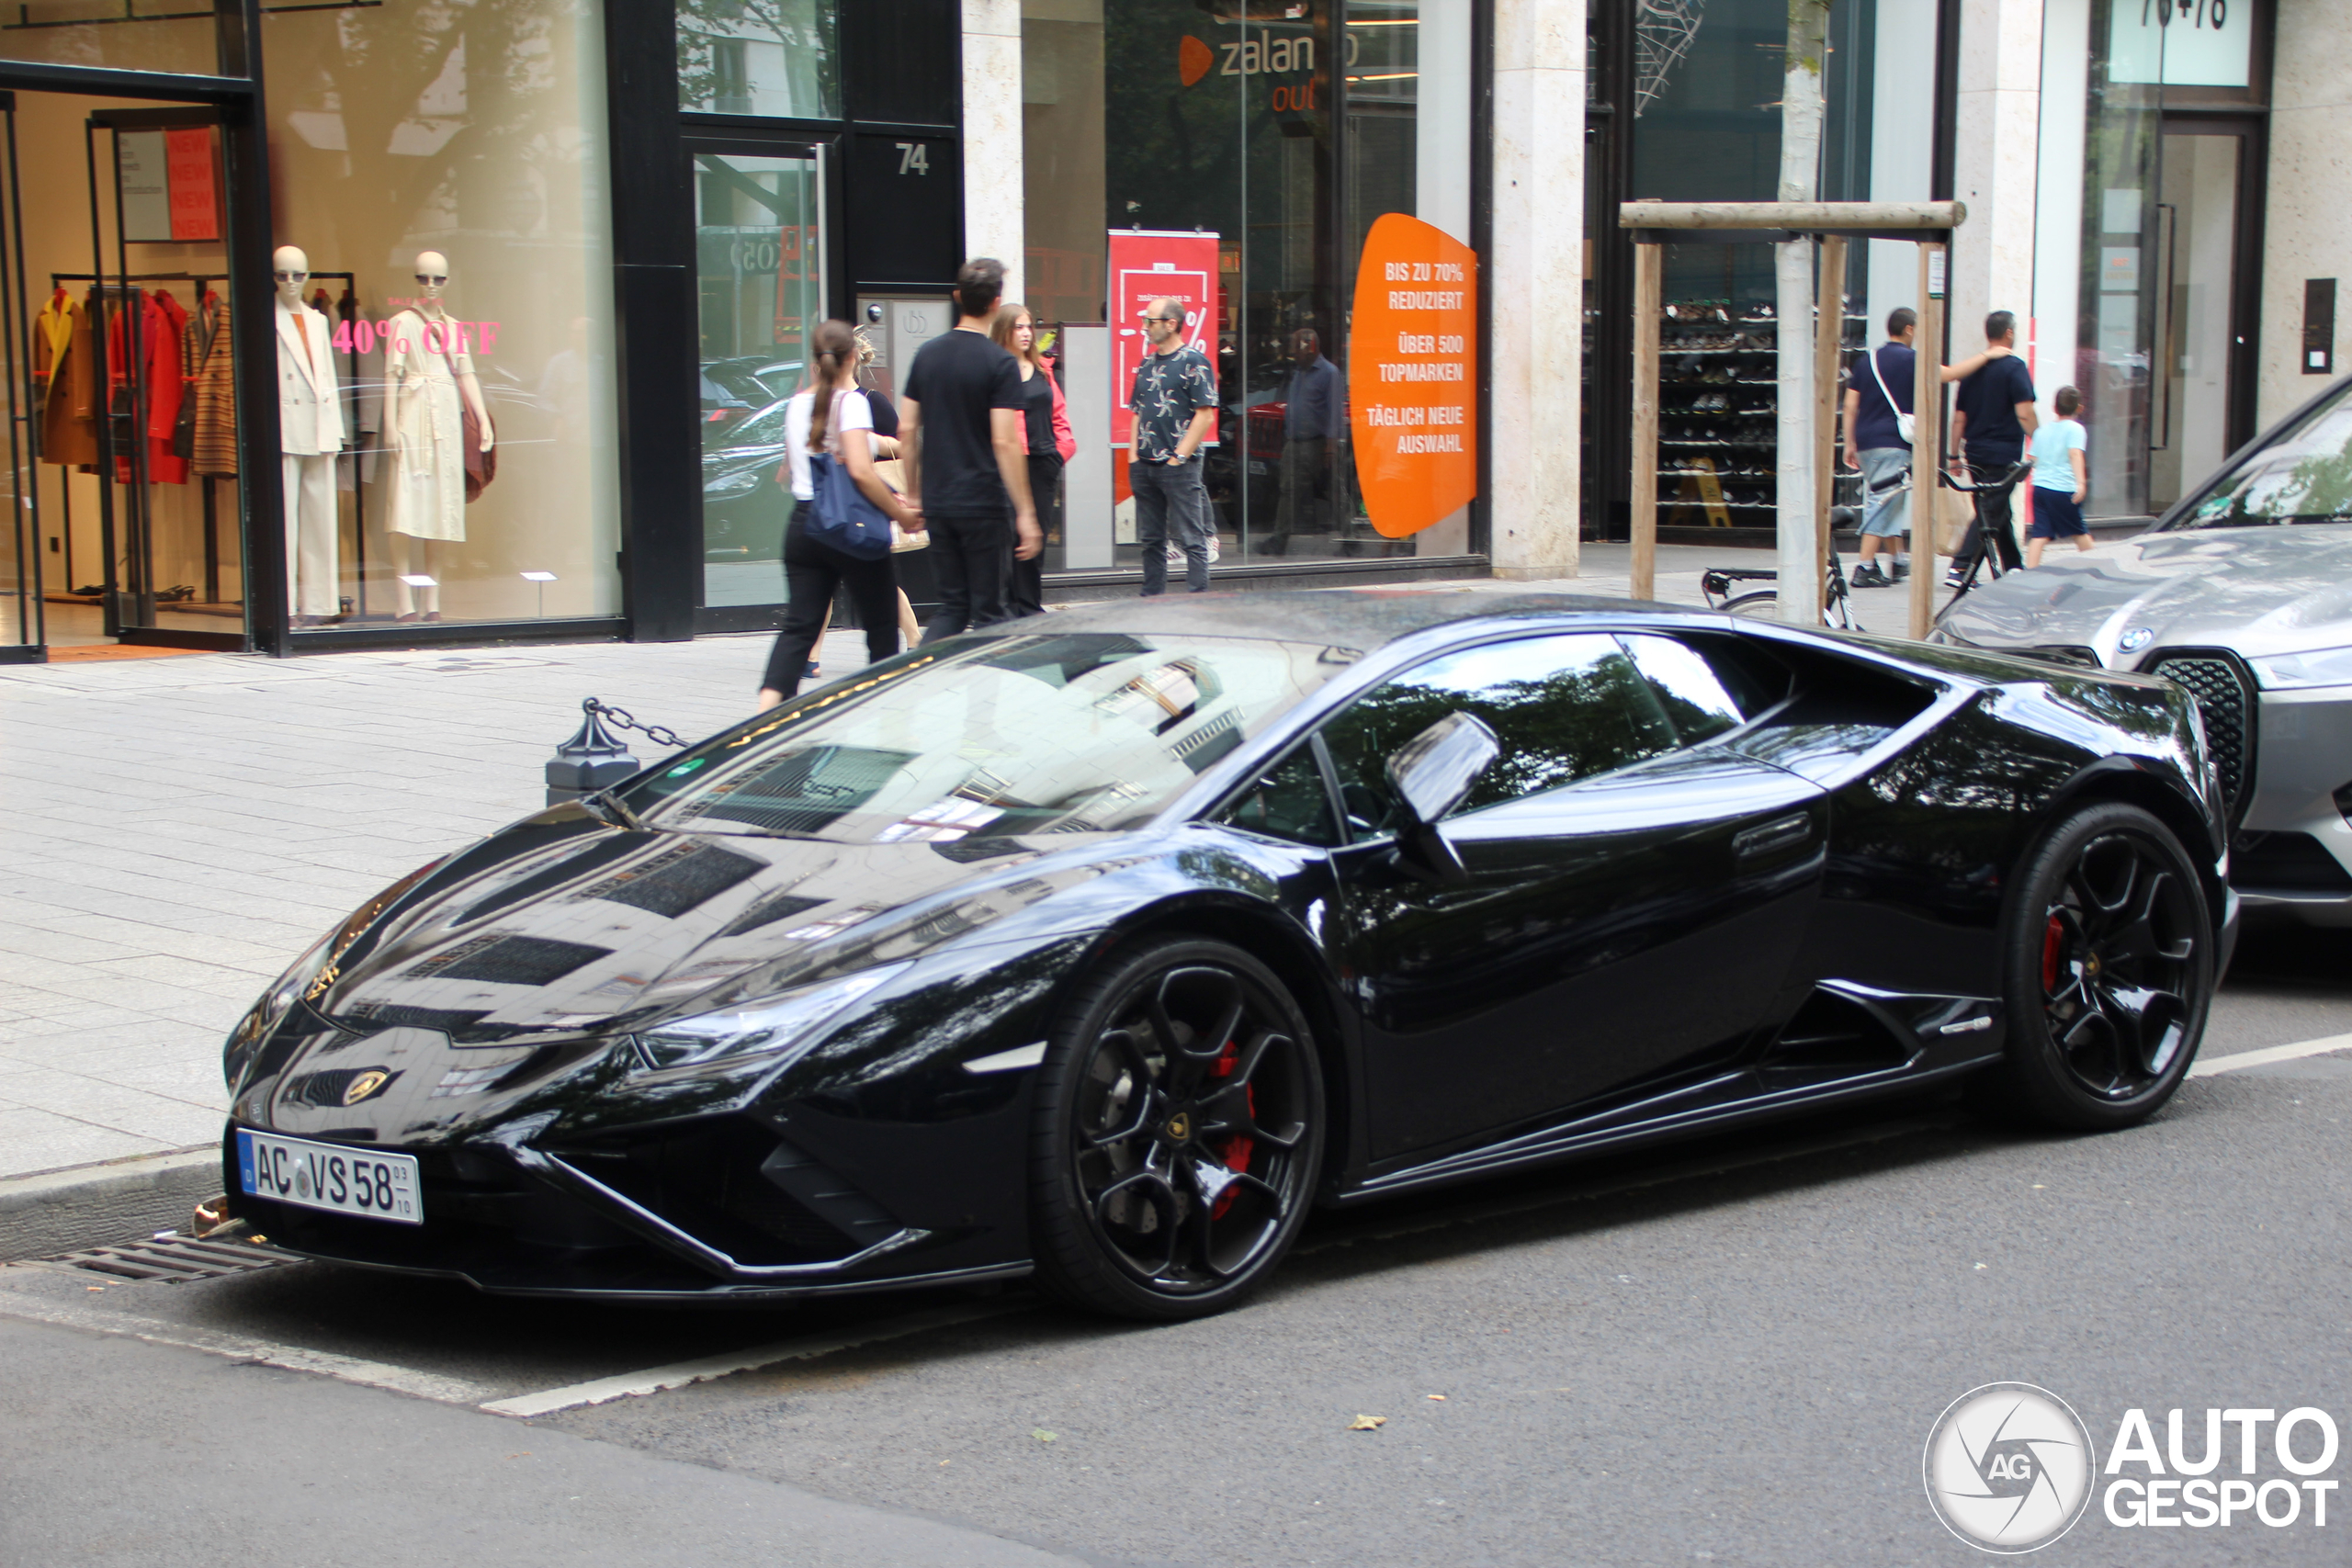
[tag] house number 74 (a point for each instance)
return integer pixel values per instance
(914, 158)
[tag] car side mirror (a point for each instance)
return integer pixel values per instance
(1430, 774)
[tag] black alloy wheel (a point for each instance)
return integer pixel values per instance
(2109, 971)
(1179, 1134)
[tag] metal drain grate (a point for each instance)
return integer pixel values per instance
(175, 1258)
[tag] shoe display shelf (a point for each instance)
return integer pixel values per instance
(1718, 401)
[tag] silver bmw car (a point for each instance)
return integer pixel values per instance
(2243, 594)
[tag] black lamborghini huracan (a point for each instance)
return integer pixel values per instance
(1103, 947)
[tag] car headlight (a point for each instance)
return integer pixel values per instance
(255, 1027)
(2324, 667)
(761, 1028)
(310, 975)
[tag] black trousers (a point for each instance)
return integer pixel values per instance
(968, 557)
(1026, 596)
(812, 570)
(1993, 512)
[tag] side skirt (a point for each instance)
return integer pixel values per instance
(1728, 1099)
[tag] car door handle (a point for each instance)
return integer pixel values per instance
(1776, 834)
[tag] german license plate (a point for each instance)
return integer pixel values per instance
(333, 1177)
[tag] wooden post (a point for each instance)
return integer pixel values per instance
(1829, 336)
(1649, 270)
(1926, 444)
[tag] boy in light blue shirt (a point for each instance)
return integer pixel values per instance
(2061, 481)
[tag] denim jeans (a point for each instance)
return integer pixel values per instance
(1172, 502)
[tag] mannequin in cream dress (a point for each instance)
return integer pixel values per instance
(427, 384)
(310, 424)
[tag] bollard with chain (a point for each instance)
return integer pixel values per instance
(595, 758)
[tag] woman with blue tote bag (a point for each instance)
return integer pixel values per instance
(842, 512)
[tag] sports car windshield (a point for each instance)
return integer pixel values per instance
(1083, 732)
(2303, 477)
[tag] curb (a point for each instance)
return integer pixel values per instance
(102, 1205)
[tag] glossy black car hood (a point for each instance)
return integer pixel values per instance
(601, 929)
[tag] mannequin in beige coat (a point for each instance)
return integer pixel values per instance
(310, 426)
(428, 378)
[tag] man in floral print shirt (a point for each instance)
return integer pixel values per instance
(1174, 404)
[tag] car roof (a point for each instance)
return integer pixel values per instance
(1361, 618)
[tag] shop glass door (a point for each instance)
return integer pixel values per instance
(22, 631)
(2194, 418)
(759, 244)
(114, 271)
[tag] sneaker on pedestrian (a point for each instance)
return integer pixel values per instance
(1902, 572)
(1870, 577)
(1955, 578)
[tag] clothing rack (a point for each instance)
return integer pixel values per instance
(120, 286)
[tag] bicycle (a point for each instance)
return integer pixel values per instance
(1987, 552)
(1837, 598)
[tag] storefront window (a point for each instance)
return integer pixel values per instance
(758, 57)
(2116, 331)
(1283, 128)
(442, 171)
(120, 35)
(1709, 130)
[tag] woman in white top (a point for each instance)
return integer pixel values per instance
(831, 416)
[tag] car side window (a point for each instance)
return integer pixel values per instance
(1688, 688)
(1287, 801)
(1564, 708)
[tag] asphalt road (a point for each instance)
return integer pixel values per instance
(1728, 1351)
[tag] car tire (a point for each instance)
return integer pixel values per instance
(2107, 971)
(1167, 1183)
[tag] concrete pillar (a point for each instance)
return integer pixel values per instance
(1534, 281)
(2305, 234)
(992, 187)
(1996, 153)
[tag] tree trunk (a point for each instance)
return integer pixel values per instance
(1801, 116)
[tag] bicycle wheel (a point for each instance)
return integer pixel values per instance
(1764, 605)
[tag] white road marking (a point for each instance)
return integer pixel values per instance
(237, 1347)
(2206, 1066)
(679, 1374)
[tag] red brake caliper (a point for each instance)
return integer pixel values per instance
(2054, 947)
(1237, 1150)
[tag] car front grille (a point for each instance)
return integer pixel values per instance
(2225, 697)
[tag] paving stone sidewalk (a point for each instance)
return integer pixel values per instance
(175, 831)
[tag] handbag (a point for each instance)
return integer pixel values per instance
(840, 516)
(1903, 424)
(1955, 514)
(481, 466)
(893, 473)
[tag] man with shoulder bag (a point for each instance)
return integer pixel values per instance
(1878, 440)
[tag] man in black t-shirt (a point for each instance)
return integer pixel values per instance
(967, 457)
(1992, 418)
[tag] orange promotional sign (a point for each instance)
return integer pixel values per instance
(1413, 374)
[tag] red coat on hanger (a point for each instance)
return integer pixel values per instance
(158, 380)
(167, 388)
